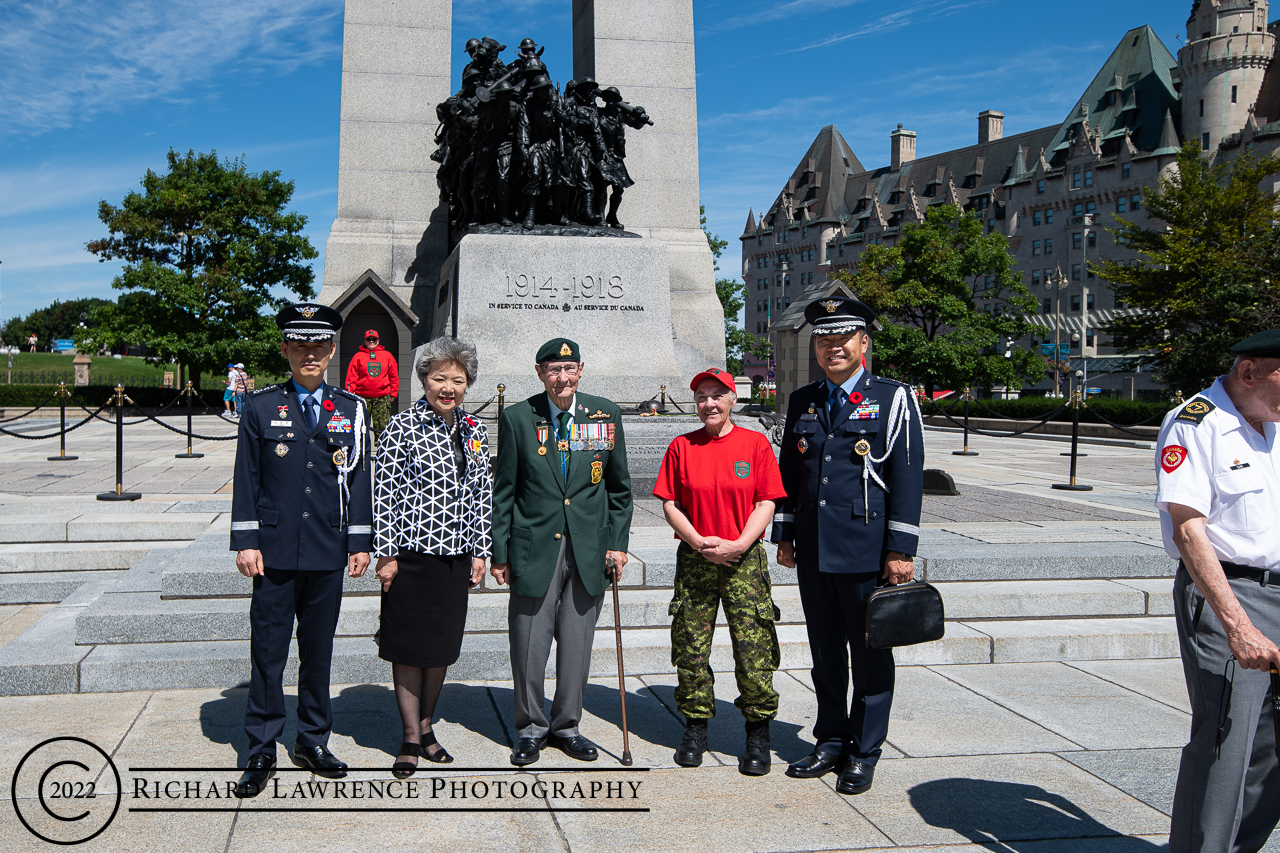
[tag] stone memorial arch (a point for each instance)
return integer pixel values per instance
(396, 66)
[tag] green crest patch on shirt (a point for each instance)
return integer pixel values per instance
(742, 470)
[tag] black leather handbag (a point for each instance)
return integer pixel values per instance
(904, 615)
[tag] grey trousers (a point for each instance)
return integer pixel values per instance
(1228, 794)
(567, 613)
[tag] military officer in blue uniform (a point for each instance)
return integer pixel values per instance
(852, 463)
(302, 511)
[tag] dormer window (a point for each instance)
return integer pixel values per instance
(931, 190)
(895, 197)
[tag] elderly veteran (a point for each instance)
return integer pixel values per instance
(301, 510)
(561, 521)
(1217, 466)
(852, 462)
(432, 502)
(718, 486)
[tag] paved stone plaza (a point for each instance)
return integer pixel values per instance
(1071, 745)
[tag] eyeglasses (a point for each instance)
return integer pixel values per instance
(567, 370)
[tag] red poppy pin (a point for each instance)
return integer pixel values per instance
(328, 405)
(855, 398)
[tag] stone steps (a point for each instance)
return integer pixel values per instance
(76, 526)
(46, 587)
(138, 617)
(76, 556)
(58, 665)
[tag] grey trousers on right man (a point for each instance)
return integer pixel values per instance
(1228, 794)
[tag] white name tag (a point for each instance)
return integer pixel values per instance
(281, 423)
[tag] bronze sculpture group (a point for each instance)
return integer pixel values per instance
(512, 148)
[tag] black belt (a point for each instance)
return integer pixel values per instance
(1262, 576)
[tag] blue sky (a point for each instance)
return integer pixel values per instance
(92, 93)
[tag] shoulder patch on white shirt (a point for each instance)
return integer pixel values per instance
(1195, 411)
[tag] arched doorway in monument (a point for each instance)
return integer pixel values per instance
(370, 304)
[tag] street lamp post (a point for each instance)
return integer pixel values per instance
(783, 268)
(1057, 283)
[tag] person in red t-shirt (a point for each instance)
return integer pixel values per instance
(718, 487)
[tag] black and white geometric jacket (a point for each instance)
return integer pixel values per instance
(418, 502)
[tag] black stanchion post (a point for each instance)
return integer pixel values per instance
(119, 494)
(189, 392)
(1073, 486)
(966, 451)
(62, 456)
(662, 391)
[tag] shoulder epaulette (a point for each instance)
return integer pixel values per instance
(1195, 411)
(814, 384)
(347, 394)
(275, 387)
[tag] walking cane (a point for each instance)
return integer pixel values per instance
(1275, 705)
(622, 677)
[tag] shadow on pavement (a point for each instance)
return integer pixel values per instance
(1007, 813)
(784, 737)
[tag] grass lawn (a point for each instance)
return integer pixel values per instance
(48, 368)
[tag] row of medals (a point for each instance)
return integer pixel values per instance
(862, 448)
(579, 444)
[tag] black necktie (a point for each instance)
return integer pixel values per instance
(837, 400)
(309, 407)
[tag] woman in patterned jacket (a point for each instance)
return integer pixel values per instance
(432, 493)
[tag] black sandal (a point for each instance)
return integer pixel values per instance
(403, 769)
(440, 756)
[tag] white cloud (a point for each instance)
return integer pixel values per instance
(789, 11)
(908, 14)
(63, 61)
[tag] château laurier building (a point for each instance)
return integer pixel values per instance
(1051, 192)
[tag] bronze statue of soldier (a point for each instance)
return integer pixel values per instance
(538, 147)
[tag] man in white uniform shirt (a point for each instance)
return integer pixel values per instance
(1218, 493)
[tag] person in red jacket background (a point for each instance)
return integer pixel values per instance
(372, 375)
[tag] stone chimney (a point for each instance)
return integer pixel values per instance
(902, 147)
(990, 126)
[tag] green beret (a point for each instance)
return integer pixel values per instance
(559, 349)
(1262, 345)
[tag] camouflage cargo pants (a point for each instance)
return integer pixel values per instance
(379, 413)
(744, 589)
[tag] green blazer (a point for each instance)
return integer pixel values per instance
(533, 508)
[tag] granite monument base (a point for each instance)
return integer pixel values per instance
(515, 292)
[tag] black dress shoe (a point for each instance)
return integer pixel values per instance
(575, 747)
(526, 751)
(320, 761)
(815, 764)
(257, 773)
(855, 777)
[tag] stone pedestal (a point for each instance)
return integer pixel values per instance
(395, 69)
(612, 295)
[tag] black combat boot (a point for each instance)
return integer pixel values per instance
(689, 753)
(589, 208)
(755, 760)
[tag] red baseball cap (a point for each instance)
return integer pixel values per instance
(371, 334)
(724, 377)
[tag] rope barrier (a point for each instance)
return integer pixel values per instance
(1124, 429)
(1036, 425)
(146, 417)
(92, 415)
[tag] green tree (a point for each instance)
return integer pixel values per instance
(204, 247)
(59, 320)
(926, 290)
(1207, 265)
(738, 342)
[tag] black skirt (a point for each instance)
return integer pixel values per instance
(425, 611)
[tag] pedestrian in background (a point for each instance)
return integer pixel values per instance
(432, 495)
(373, 375)
(718, 486)
(852, 461)
(241, 387)
(229, 393)
(1217, 465)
